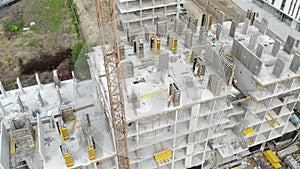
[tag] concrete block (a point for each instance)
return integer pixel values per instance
(278, 68)
(246, 26)
(122, 52)
(259, 50)
(237, 17)
(255, 65)
(218, 31)
(127, 69)
(295, 65)
(246, 57)
(202, 35)
(289, 44)
(161, 28)
(221, 17)
(263, 26)
(193, 24)
(276, 47)
(215, 84)
(235, 48)
(179, 27)
(147, 34)
(232, 28)
(253, 41)
(203, 19)
(188, 40)
(297, 43)
(5, 154)
(163, 61)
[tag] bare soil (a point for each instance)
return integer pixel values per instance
(40, 49)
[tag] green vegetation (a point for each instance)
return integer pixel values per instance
(74, 17)
(20, 61)
(32, 43)
(49, 16)
(297, 113)
(8, 59)
(79, 58)
(14, 26)
(78, 50)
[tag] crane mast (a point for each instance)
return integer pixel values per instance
(108, 29)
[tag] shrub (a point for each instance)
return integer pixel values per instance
(14, 27)
(77, 50)
(20, 61)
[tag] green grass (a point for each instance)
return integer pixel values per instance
(32, 43)
(49, 15)
(14, 26)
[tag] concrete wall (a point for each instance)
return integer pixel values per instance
(4, 143)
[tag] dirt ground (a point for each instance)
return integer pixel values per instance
(52, 34)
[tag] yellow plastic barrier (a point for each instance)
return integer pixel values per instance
(154, 93)
(272, 158)
(91, 152)
(189, 57)
(74, 124)
(36, 138)
(12, 145)
(64, 133)
(270, 122)
(248, 131)
(249, 143)
(68, 159)
(174, 42)
(275, 120)
(163, 155)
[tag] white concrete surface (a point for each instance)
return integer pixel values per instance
(275, 25)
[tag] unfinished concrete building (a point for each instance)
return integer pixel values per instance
(135, 14)
(203, 97)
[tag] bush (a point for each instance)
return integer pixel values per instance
(20, 61)
(14, 27)
(8, 59)
(77, 50)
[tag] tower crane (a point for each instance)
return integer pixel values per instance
(106, 16)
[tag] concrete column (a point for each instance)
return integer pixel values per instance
(3, 92)
(58, 95)
(259, 50)
(218, 31)
(246, 26)
(289, 44)
(202, 35)
(295, 64)
(38, 81)
(56, 78)
(221, 17)
(263, 26)
(278, 68)
(20, 85)
(40, 100)
(232, 28)
(237, 17)
(20, 104)
(188, 40)
(253, 41)
(2, 111)
(147, 35)
(294, 24)
(276, 48)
